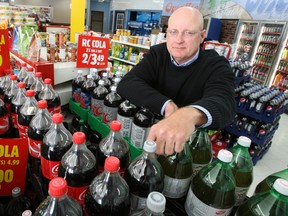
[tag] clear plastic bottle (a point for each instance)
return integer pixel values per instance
(272, 202)
(178, 173)
(17, 204)
(108, 193)
(23, 72)
(242, 168)
(201, 149)
(212, 190)
(56, 142)
(86, 92)
(107, 81)
(114, 145)
(26, 113)
(11, 91)
(155, 205)
(58, 203)
(76, 86)
(144, 175)
(38, 84)
(95, 75)
(51, 96)
(4, 119)
(4, 83)
(97, 100)
(78, 167)
(30, 78)
(126, 113)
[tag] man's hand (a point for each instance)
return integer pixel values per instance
(170, 108)
(171, 133)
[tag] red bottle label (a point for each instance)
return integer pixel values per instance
(34, 148)
(78, 193)
(54, 110)
(49, 168)
(8, 107)
(4, 124)
(14, 119)
(23, 129)
(97, 107)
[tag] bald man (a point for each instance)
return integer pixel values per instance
(188, 86)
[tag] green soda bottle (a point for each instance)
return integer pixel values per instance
(268, 182)
(273, 202)
(177, 173)
(212, 190)
(201, 149)
(242, 168)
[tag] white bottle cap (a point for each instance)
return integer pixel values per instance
(117, 79)
(104, 75)
(244, 141)
(79, 71)
(149, 146)
(89, 76)
(281, 185)
(113, 88)
(101, 82)
(225, 155)
(156, 202)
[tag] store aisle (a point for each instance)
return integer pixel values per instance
(276, 158)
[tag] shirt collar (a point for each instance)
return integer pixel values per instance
(190, 61)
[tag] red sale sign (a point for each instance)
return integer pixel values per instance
(4, 51)
(92, 52)
(13, 164)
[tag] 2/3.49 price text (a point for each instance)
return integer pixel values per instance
(92, 58)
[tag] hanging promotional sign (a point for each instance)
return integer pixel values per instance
(13, 164)
(92, 52)
(4, 51)
(170, 6)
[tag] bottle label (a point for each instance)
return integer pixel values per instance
(49, 168)
(85, 100)
(78, 193)
(240, 193)
(4, 124)
(76, 94)
(110, 114)
(126, 125)
(54, 110)
(194, 206)
(175, 188)
(97, 107)
(137, 202)
(197, 168)
(14, 120)
(138, 135)
(34, 147)
(23, 129)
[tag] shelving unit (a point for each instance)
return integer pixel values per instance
(131, 44)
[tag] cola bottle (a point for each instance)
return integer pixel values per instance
(107, 81)
(115, 83)
(242, 168)
(155, 205)
(37, 85)
(22, 73)
(56, 142)
(144, 175)
(114, 145)
(212, 190)
(108, 193)
(76, 86)
(95, 75)
(97, 100)
(271, 202)
(143, 120)
(51, 96)
(17, 204)
(11, 91)
(201, 149)
(58, 203)
(16, 104)
(26, 113)
(110, 106)
(126, 113)
(4, 120)
(178, 170)
(30, 78)
(80, 171)
(4, 83)
(86, 92)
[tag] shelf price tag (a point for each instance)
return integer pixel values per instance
(4, 51)
(92, 52)
(13, 164)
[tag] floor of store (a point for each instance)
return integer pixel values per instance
(276, 158)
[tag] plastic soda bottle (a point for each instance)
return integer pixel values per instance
(212, 190)
(76, 86)
(11, 91)
(108, 194)
(38, 84)
(97, 100)
(18, 203)
(30, 78)
(126, 113)
(4, 119)
(86, 92)
(144, 175)
(22, 73)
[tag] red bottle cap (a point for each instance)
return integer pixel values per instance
(21, 85)
(30, 69)
(57, 118)
(115, 125)
(13, 77)
(57, 187)
(23, 64)
(30, 93)
(47, 81)
(79, 137)
(112, 164)
(42, 104)
(38, 74)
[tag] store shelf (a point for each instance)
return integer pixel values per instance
(131, 44)
(122, 60)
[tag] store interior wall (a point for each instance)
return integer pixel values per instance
(104, 7)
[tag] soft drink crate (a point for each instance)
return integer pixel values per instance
(96, 123)
(241, 80)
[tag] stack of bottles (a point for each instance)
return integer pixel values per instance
(242, 71)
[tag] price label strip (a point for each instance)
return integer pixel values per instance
(13, 164)
(92, 52)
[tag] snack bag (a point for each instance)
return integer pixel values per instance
(34, 48)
